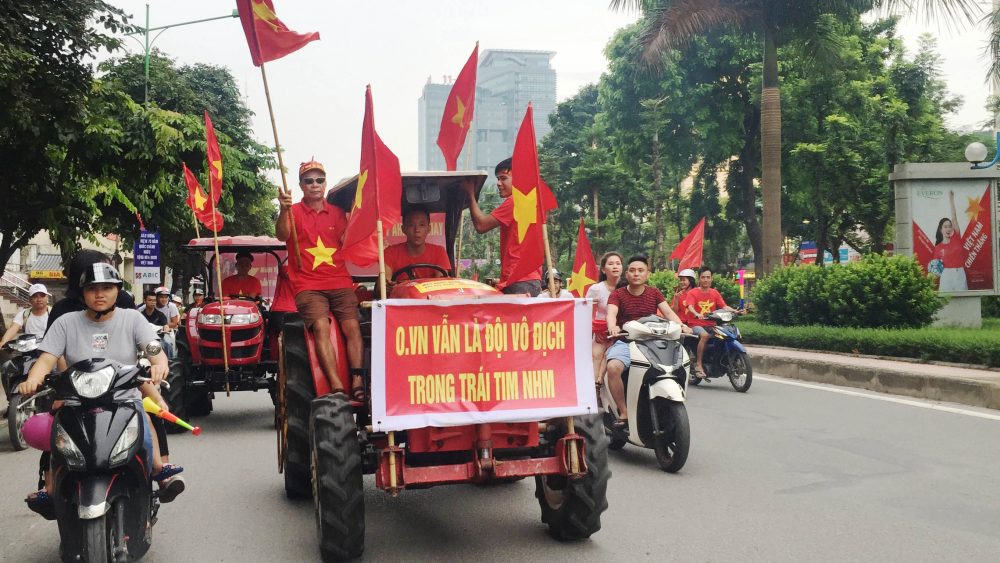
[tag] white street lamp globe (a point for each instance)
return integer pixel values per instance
(975, 153)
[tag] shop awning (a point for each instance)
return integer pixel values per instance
(47, 267)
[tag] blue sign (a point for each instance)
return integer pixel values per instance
(147, 258)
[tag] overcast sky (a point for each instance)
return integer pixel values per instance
(395, 45)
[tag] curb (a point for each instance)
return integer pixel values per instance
(971, 392)
(981, 367)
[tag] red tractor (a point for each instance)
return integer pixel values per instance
(328, 442)
(198, 370)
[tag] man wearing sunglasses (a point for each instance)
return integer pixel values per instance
(322, 285)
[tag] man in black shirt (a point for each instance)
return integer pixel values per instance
(151, 314)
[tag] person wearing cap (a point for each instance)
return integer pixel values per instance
(557, 283)
(35, 319)
(322, 284)
(242, 284)
(503, 217)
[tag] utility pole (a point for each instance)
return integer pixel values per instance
(148, 45)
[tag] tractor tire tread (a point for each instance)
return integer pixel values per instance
(339, 484)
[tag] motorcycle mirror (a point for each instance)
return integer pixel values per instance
(153, 348)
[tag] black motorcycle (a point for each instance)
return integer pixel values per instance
(101, 464)
(725, 355)
(14, 371)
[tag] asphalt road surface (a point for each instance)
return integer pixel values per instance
(788, 472)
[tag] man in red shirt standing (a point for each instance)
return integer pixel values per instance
(323, 285)
(242, 284)
(416, 227)
(503, 217)
(700, 302)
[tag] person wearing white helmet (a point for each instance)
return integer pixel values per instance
(34, 319)
(686, 279)
(557, 282)
(169, 310)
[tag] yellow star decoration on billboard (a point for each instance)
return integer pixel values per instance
(321, 254)
(199, 200)
(362, 178)
(525, 211)
(579, 281)
(262, 12)
(973, 210)
(460, 113)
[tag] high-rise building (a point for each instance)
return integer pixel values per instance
(507, 81)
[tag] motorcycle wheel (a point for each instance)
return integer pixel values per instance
(572, 509)
(617, 444)
(674, 441)
(15, 421)
(298, 394)
(95, 540)
(740, 372)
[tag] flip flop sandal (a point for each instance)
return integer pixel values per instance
(702, 376)
(620, 426)
(42, 504)
(168, 471)
(170, 488)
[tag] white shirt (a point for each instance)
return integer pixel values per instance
(170, 310)
(563, 294)
(600, 292)
(32, 323)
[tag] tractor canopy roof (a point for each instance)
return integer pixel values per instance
(436, 191)
(236, 244)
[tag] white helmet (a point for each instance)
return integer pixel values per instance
(688, 272)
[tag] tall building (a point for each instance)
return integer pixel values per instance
(506, 81)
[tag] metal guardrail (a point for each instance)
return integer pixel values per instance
(15, 285)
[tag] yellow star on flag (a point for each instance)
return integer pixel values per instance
(217, 169)
(460, 113)
(321, 254)
(199, 200)
(265, 14)
(973, 210)
(579, 281)
(362, 178)
(525, 211)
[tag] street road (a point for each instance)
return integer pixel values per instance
(788, 472)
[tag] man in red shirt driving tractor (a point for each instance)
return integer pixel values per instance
(242, 284)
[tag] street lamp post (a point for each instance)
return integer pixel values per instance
(149, 43)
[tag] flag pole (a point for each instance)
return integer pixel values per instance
(381, 287)
(218, 279)
(461, 212)
(197, 231)
(281, 167)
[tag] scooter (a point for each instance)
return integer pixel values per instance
(103, 498)
(655, 386)
(725, 355)
(13, 373)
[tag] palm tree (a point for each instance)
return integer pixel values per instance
(670, 23)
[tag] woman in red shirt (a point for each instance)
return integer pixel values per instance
(685, 281)
(948, 249)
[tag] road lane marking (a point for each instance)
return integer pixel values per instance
(880, 397)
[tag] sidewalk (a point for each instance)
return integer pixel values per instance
(978, 388)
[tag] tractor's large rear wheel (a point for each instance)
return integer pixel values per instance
(572, 508)
(180, 373)
(298, 394)
(196, 399)
(338, 489)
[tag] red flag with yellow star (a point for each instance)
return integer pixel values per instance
(214, 161)
(458, 110)
(532, 199)
(200, 205)
(268, 37)
(377, 196)
(584, 266)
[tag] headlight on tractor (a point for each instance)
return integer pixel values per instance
(205, 319)
(91, 385)
(125, 442)
(68, 449)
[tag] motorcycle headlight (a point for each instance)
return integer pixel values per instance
(125, 442)
(26, 345)
(91, 385)
(205, 319)
(68, 449)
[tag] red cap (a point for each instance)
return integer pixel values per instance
(311, 165)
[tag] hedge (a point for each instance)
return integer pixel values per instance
(991, 307)
(964, 346)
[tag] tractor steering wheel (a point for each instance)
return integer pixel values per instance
(408, 270)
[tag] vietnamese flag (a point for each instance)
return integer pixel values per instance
(532, 199)
(584, 266)
(203, 210)
(377, 196)
(458, 110)
(269, 39)
(690, 249)
(214, 161)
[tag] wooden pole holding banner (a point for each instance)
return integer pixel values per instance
(281, 167)
(218, 279)
(381, 288)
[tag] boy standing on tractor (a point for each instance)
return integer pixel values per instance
(503, 217)
(323, 285)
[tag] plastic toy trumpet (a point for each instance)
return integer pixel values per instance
(152, 408)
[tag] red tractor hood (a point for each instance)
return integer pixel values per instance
(438, 288)
(233, 307)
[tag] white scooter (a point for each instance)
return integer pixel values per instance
(655, 387)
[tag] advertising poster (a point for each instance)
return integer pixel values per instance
(953, 233)
(450, 363)
(147, 258)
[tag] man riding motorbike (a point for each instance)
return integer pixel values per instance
(700, 302)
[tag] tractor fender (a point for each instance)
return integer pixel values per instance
(339, 349)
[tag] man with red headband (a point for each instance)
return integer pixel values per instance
(323, 285)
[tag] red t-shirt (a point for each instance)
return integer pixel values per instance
(632, 307)
(704, 303)
(397, 258)
(679, 301)
(233, 286)
(284, 293)
(510, 249)
(951, 253)
(320, 235)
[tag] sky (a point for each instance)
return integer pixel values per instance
(395, 45)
